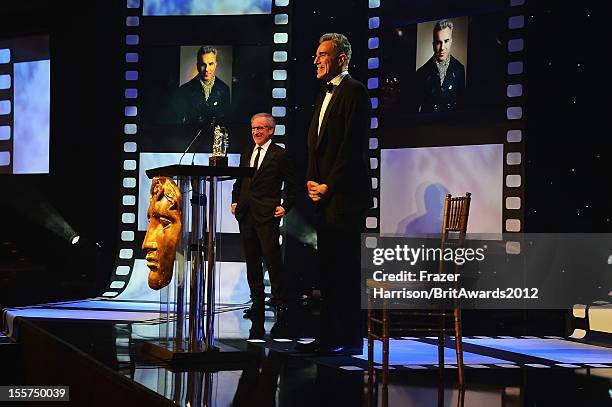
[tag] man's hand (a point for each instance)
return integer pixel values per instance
(279, 212)
(234, 205)
(311, 186)
(316, 190)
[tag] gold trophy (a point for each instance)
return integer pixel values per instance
(219, 147)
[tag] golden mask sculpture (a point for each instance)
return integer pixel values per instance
(164, 231)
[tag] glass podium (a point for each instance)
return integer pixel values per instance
(187, 305)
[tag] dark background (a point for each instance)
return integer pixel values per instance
(566, 131)
(85, 134)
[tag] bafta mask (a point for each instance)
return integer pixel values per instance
(164, 231)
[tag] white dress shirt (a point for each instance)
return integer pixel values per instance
(336, 81)
(262, 154)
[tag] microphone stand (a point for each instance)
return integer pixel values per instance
(212, 128)
(199, 199)
(190, 144)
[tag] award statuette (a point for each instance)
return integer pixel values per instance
(219, 147)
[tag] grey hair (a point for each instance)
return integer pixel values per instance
(268, 116)
(443, 24)
(206, 50)
(343, 45)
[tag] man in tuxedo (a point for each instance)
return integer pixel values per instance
(256, 203)
(441, 80)
(339, 185)
(205, 98)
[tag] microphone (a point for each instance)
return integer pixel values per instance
(212, 126)
(190, 144)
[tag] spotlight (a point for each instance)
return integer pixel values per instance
(35, 206)
(83, 243)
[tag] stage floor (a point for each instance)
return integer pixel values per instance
(500, 370)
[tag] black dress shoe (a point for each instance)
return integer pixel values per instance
(311, 347)
(281, 310)
(256, 311)
(257, 333)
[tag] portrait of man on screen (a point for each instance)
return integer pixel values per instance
(440, 82)
(205, 98)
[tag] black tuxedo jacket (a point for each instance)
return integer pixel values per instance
(434, 97)
(337, 156)
(261, 194)
(192, 108)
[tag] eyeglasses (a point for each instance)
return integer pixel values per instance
(326, 55)
(260, 128)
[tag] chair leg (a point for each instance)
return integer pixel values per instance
(461, 397)
(370, 341)
(458, 345)
(440, 393)
(370, 355)
(441, 354)
(385, 366)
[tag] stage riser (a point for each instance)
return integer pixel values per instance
(47, 360)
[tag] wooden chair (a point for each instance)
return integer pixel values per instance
(380, 325)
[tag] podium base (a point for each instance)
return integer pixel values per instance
(220, 356)
(218, 161)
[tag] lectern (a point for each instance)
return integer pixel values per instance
(191, 331)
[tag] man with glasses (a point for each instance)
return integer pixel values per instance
(256, 203)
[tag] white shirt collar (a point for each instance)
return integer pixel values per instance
(338, 78)
(265, 146)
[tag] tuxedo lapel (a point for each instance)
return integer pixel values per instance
(330, 107)
(314, 123)
(243, 184)
(245, 158)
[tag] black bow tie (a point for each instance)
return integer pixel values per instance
(329, 87)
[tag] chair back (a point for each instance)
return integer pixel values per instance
(456, 212)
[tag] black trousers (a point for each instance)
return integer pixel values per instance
(260, 240)
(339, 251)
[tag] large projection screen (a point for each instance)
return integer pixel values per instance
(415, 181)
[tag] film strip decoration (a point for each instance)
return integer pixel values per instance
(129, 174)
(587, 319)
(372, 222)
(513, 212)
(591, 320)
(131, 120)
(281, 11)
(514, 143)
(6, 111)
